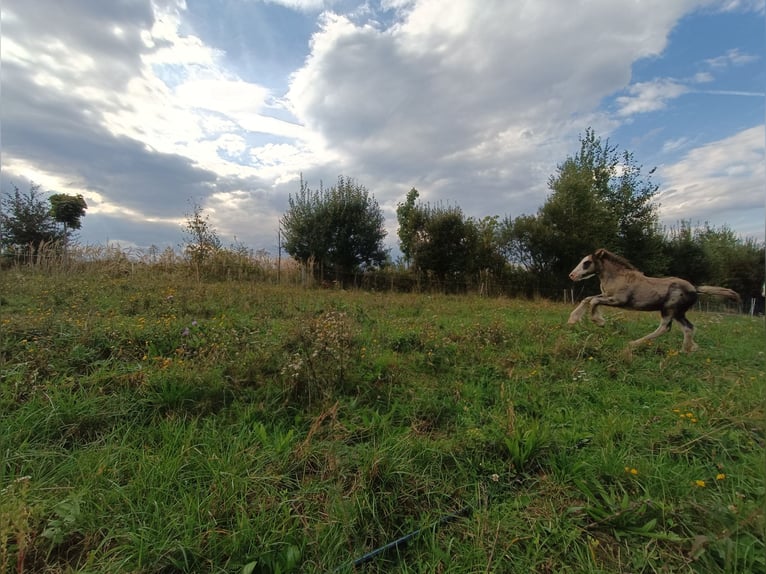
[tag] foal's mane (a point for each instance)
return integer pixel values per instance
(605, 255)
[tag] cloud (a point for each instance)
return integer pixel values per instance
(130, 105)
(755, 6)
(442, 96)
(646, 97)
(715, 180)
(675, 144)
(115, 104)
(302, 5)
(98, 44)
(733, 57)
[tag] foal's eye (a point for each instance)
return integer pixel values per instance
(586, 264)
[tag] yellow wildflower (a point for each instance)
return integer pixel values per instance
(699, 483)
(720, 476)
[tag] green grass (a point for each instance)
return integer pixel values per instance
(157, 425)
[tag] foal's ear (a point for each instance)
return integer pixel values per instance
(599, 254)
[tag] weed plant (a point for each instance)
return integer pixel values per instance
(150, 423)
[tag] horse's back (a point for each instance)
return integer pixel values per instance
(644, 293)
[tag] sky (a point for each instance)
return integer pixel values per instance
(149, 108)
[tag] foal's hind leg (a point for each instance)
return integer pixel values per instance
(663, 328)
(689, 344)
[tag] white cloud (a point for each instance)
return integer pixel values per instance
(445, 81)
(227, 96)
(303, 5)
(756, 6)
(675, 144)
(702, 78)
(471, 102)
(733, 57)
(646, 97)
(715, 180)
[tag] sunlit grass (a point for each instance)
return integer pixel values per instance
(151, 423)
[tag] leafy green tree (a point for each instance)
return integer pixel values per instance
(445, 244)
(26, 220)
(599, 198)
(631, 198)
(685, 255)
(733, 262)
(68, 210)
(340, 228)
(302, 226)
(525, 243)
(411, 222)
(487, 254)
(746, 272)
(716, 256)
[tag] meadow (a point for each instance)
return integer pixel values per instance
(152, 423)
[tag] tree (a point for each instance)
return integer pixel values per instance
(202, 241)
(487, 254)
(733, 262)
(68, 210)
(340, 228)
(599, 199)
(631, 199)
(716, 256)
(26, 220)
(411, 222)
(445, 243)
(685, 255)
(441, 241)
(524, 241)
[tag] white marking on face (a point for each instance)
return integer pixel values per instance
(584, 269)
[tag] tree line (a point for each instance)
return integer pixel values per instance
(599, 197)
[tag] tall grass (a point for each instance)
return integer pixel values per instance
(152, 423)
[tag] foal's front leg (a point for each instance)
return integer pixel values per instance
(579, 311)
(596, 300)
(595, 313)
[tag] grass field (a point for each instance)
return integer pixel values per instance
(151, 424)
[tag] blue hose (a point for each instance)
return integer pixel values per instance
(400, 542)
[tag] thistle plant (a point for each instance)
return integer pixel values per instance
(324, 355)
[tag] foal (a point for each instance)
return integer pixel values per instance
(622, 285)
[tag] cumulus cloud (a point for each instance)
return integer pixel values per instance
(442, 95)
(714, 180)
(118, 105)
(472, 103)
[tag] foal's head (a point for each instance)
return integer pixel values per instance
(593, 264)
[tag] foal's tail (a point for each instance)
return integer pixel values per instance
(719, 292)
